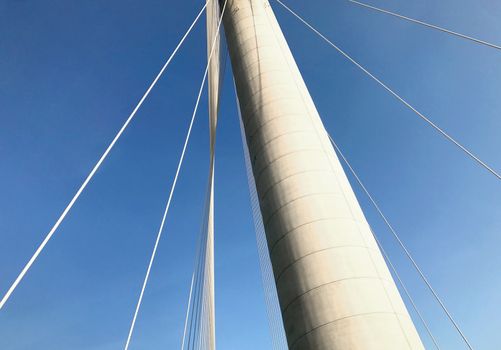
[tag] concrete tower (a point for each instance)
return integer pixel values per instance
(334, 287)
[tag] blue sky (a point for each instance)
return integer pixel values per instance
(72, 71)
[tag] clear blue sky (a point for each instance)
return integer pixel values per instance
(71, 72)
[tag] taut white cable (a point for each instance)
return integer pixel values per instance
(160, 230)
(407, 104)
(478, 41)
(193, 312)
(96, 167)
(402, 245)
(138, 306)
(273, 312)
(187, 311)
(202, 254)
(406, 291)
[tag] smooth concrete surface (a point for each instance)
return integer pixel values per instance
(334, 288)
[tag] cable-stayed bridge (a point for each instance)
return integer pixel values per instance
(327, 285)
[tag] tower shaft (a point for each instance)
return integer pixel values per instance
(334, 288)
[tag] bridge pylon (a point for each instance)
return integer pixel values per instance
(335, 290)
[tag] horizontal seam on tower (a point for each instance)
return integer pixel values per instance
(248, 8)
(259, 75)
(262, 89)
(247, 52)
(297, 199)
(263, 197)
(258, 44)
(243, 55)
(257, 48)
(261, 171)
(308, 223)
(252, 112)
(268, 121)
(290, 265)
(262, 62)
(264, 72)
(253, 20)
(296, 298)
(253, 95)
(263, 146)
(334, 321)
(235, 35)
(254, 50)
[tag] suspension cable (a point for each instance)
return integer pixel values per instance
(407, 104)
(96, 167)
(166, 210)
(273, 312)
(402, 245)
(406, 291)
(195, 295)
(194, 313)
(159, 234)
(478, 41)
(196, 319)
(187, 311)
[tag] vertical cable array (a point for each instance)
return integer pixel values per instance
(199, 329)
(273, 312)
(195, 318)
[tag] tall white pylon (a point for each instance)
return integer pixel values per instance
(214, 20)
(334, 287)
